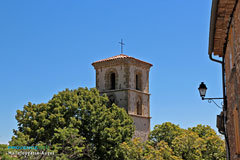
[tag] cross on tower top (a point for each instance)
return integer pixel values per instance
(121, 43)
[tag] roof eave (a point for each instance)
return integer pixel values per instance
(102, 62)
(212, 26)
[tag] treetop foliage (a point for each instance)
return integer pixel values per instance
(80, 124)
(170, 142)
(76, 124)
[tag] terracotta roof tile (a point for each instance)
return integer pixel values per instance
(120, 56)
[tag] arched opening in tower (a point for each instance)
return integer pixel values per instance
(138, 82)
(139, 107)
(113, 79)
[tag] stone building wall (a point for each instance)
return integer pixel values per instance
(133, 96)
(232, 65)
(127, 94)
(144, 77)
(102, 81)
(120, 98)
(142, 127)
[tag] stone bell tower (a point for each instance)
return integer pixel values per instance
(126, 82)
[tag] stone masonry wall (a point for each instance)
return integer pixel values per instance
(232, 66)
(102, 79)
(142, 127)
(125, 94)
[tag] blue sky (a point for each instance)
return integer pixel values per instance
(49, 45)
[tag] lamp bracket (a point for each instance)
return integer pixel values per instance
(210, 100)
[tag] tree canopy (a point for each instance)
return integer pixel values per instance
(81, 124)
(75, 124)
(170, 142)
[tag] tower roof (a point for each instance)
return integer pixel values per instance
(120, 56)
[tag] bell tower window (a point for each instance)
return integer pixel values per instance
(112, 80)
(138, 81)
(137, 87)
(139, 107)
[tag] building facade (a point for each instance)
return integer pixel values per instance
(125, 80)
(224, 41)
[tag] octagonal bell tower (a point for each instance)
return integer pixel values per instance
(126, 82)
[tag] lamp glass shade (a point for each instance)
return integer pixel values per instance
(202, 89)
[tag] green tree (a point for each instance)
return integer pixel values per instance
(188, 146)
(165, 132)
(214, 145)
(72, 144)
(196, 143)
(132, 150)
(161, 152)
(75, 124)
(4, 153)
(137, 150)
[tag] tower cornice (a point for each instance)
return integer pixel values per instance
(125, 89)
(121, 59)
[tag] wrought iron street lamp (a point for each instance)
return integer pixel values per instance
(202, 90)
